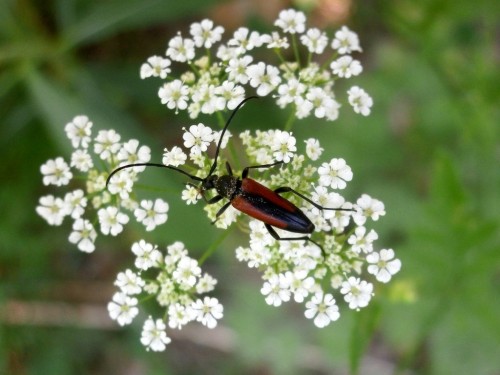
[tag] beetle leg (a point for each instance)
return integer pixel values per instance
(221, 210)
(276, 236)
(202, 193)
(244, 174)
(286, 189)
(213, 199)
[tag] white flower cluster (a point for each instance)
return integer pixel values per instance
(299, 269)
(338, 261)
(220, 79)
(110, 206)
(175, 280)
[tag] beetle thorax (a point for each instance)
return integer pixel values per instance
(227, 185)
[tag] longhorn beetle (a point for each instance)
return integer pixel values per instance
(249, 196)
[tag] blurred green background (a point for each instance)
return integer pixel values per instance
(430, 151)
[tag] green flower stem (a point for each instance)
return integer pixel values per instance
(309, 58)
(194, 68)
(296, 49)
(289, 121)
(232, 150)
(214, 245)
(209, 56)
(284, 63)
(329, 60)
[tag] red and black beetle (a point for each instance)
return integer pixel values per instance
(249, 196)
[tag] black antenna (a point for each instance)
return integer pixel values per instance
(196, 178)
(214, 165)
(151, 165)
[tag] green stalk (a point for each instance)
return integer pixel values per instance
(289, 122)
(296, 49)
(214, 246)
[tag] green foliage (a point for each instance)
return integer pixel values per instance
(429, 152)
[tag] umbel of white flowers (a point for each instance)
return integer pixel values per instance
(291, 270)
(209, 81)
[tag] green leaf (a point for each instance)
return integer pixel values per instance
(447, 191)
(111, 17)
(365, 323)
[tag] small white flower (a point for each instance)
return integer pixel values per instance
(56, 172)
(190, 195)
(259, 235)
(83, 235)
(276, 41)
(327, 199)
(107, 144)
(356, 292)
(346, 41)
(186, 273)
(223, 144)
(76, 203)
(258, 256)
(323, 309)
(226, 53)
(207, 311)
(303, 107)
(123, 308)
(335, 174)
(362, 241)
(346, 66)
(131, 153)
(174, 95)
(370, 208)
(276, 289)
(290, 91)
(313, 149)
(291, 21)
(383, 265)
(315, 40)
(156, 66)
(180, 49)
(81, 160)
(129, 282)
(111, 220)
(231, 93)
(205, 97)
(204, 33)
(177, 316)
(52, 209)
(198, 138)
(323, 103)
(121, 183)
(294, 251)
(154, 336)
(205, 284)
(79, 131)
(147, 255)
(237, 69)
(340, 219)
(360, 100)
(198, 159)
(151, 215)
(265, 78)
(242, 253)
(243, 40)
(176, 252)
(283, 146)
(300, 284)
(174, 157)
